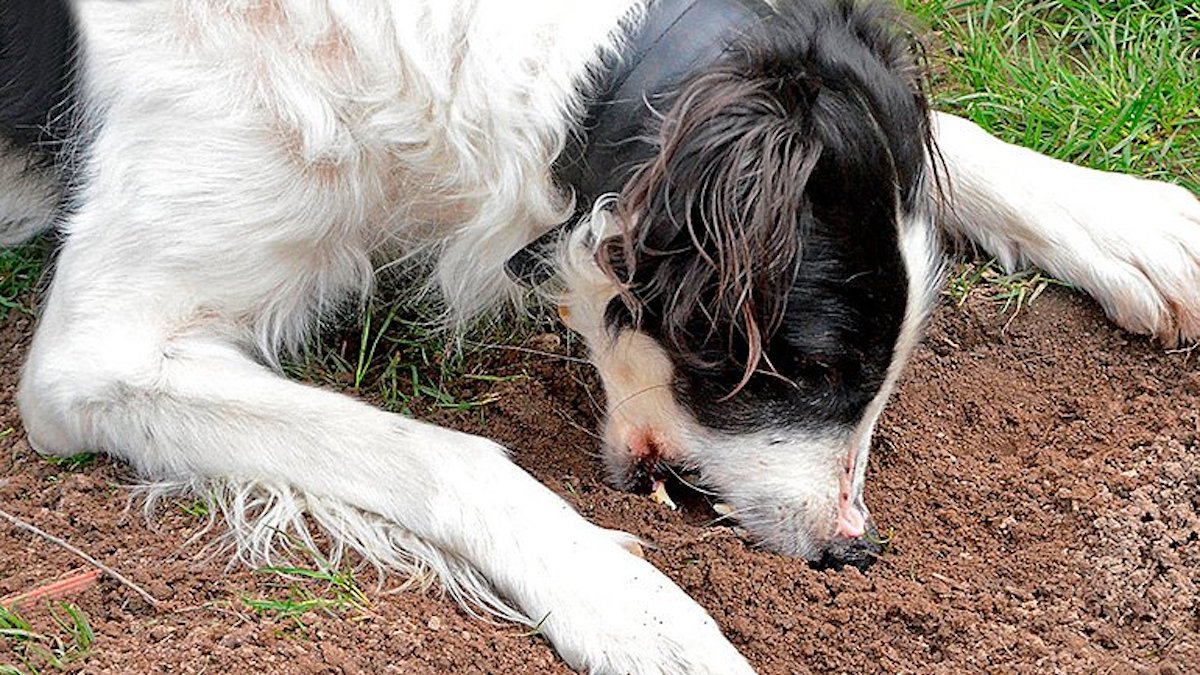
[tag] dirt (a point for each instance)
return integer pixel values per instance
(1041, 478)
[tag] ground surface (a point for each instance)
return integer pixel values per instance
(1042, 482)
(1041, 477)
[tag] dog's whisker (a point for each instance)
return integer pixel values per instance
(641, 392)
(690, 485)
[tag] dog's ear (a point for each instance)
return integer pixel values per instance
(719, 213)
(533, 265)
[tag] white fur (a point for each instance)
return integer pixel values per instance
(253, 161)
(1133, 244)
(635, 371)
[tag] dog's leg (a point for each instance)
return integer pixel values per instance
(179, 402)
(1133, 244)
(144, 351)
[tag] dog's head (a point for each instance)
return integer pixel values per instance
(752, 294)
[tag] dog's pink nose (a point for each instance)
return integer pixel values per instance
(643, 460)
(851, 524)
(643, 444)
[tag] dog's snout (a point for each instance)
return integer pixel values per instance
(860, 552)
(637, 459)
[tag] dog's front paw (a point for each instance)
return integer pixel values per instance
(622, 616)
(1148, 234)
(1133, 244)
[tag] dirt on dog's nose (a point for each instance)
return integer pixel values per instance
(860, 552)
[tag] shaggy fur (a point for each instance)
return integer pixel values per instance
(750, 293)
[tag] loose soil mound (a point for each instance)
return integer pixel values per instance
(1042, 480)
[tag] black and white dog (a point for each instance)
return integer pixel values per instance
(739, 202)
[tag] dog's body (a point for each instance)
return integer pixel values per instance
(241, 167)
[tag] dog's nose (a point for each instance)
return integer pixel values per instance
(860, 552)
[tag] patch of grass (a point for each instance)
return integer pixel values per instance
(197, 508)
(1110, 84)
(1018, 290)
(309, 591)
(20, 270)
(67, 465)
(400, 357)
(38, 651)
(1014, 291)
(965, 278)
(73, 463)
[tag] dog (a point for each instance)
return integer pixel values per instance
(738, 205)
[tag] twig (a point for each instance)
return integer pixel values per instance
(33, 529)
(74, 583)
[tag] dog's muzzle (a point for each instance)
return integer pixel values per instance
(861, 552)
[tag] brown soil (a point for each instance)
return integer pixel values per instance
(1042, 481)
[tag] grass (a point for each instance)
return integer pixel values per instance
(197, 508)
(73, 463)
(1110, 84)
(1012, 291)
(307, 592)
(68, 465)
(400, 357)
(36, 651)
(20, 270)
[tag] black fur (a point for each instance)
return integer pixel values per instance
(37, 45)
(673, 40)
(800, 328)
